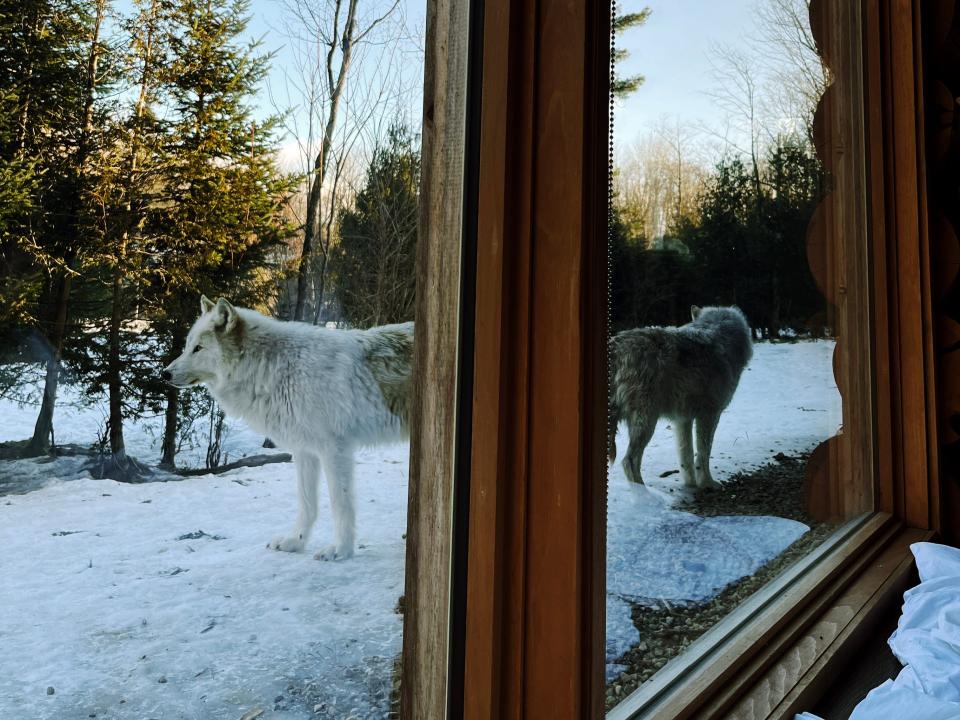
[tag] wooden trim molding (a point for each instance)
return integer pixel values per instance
(907, 428)
(831, 631)
(869, 250)
(424, 683)
(594, 378)
(535, 555)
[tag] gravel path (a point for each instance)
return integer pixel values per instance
(774, 489)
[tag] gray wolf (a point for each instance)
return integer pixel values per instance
(319, 392)
(687, 374)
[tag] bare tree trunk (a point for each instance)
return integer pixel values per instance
(775, 310)
(321, 287)
(93, 60)
(679, 186)
(325, 245)
(168, 450)
(311, 228)
(116, 465)
(303, 264)
(40, 442)
(114, 368)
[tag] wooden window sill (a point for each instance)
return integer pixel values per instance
(777, 653)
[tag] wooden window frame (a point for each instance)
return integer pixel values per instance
(534, 629)
(520, 420)
(442, 342)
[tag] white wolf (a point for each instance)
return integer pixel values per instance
(318, 392)
(688, 374)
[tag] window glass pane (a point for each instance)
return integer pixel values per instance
(727, 333)
(264, 154)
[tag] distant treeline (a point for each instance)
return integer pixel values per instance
(744, 243)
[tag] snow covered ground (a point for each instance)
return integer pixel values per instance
(161, 601)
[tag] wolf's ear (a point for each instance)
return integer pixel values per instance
(206, 304)
(226, 316)
(695, 311)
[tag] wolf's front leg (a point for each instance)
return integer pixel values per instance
(308, 474)
(338, 465)
(683, 429)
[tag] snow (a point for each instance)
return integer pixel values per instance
(102, 599)
(680, 558)
(105, 599)
(80, 421)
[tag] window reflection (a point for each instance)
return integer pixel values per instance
(722, 344)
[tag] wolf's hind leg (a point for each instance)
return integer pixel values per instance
(684, 432)
(706, 428)
(338, 465)
(613, 419)
(308, 474)
(640, 428)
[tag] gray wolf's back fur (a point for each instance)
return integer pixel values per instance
(389, 355)
(684, 373)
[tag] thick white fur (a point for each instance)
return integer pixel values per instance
(311, 390)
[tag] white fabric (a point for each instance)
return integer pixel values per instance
(927, 642)
(893, 701)
(927, 638)
(936, 561)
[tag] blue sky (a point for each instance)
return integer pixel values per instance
(672, 51)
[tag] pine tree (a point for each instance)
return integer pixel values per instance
(751, 251)
(373, 264)
(222, 213)
(795, 180)
(21, 25)
(125, 194)
(723, 243)
(96, 76)
(621, 87)
(647, 287)
(52, 70)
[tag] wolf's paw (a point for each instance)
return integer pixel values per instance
(334, 552)
(289, 544)
(709, 482)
